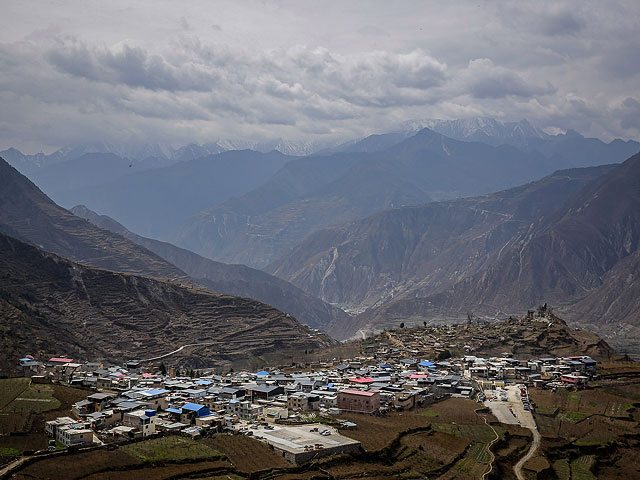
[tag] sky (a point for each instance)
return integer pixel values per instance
(197, 71)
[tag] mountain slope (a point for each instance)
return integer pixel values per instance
(421, 249)
(581, 257)
(28, 214)
(236, 280)
(314, 192)
(51, 306)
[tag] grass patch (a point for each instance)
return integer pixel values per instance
(430, 413)
(170, 449)
(546, 410)
(477, 433)
(9, 452)
(35, 399)
(581, 468)
(574, 397)
(10, 388)
(572, 416)
(562, 469)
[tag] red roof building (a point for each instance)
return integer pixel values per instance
(361, 380)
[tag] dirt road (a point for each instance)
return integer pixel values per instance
(517, 469)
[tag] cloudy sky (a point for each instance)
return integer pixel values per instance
(179, 72)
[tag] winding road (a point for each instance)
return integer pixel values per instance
(517, 469)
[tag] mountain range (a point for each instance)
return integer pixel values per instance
(238, 280)
(134, 286)
(420, 250)
(155, 202)
(314, 192)
(396, 227)
(571, 239)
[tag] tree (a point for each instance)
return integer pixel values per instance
(163, 368)
(444, 355)
(425, 324)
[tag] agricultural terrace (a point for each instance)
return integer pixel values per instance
(25, 408)
(576, 425)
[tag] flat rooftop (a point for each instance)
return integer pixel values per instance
(294, 438)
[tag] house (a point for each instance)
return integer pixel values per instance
(99, 400)
(574, 379)
(244, 410)
(190, 411)
(75, 436)
(156, 398)
(265, 392)
(144, 421)
(359, 401)
(302, 401)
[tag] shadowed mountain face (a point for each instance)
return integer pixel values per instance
(50, 305)
(314, 192)
(581, 256)
(29, 215)
(236, 280)
(421, 250)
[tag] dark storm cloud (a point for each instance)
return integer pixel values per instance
(623, 61)
(130, 65)
(629, 113)
(291, 69)
(564, 22)
(486, 80)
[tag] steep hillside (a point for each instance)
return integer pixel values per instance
(28, 214)
(236, 280)
(582, 256)
(421, 250)
(315, 192)
(51, 306)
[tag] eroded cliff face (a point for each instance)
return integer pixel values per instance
(580, 256)
(423, 250)
(52, 305)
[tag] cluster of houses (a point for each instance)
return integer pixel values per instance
(132, 401)
(137, 401)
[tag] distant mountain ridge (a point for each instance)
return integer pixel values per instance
(29, 215)
(150, 155)
(156, 201)
(481, 129)
(237, 280)
(314, 192)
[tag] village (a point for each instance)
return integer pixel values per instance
(296, 410)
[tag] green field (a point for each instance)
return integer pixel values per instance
(170, 449)
(581, 468)
(478, 433)
(10, 388)
(572, 416)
